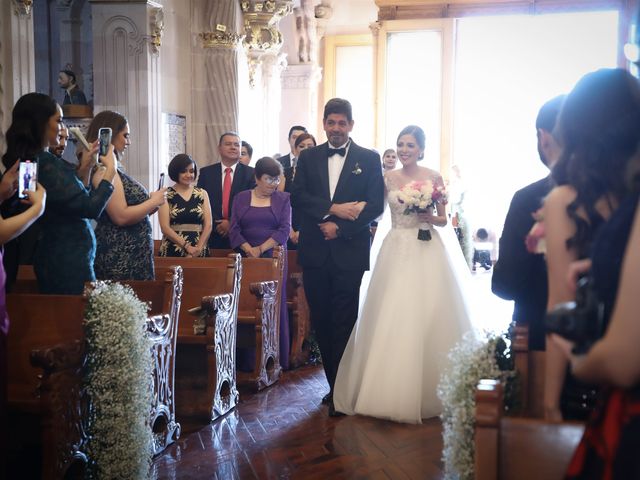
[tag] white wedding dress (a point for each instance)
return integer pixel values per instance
(412, 313)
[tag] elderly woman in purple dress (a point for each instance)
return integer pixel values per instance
(261, 219)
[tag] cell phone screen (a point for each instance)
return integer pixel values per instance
(161, 181)
(27, 177)
(105, 139)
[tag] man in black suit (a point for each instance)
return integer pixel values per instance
(519, 275)
(222, 181)
(338, 191)
(289, 160)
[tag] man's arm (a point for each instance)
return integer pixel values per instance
(374, 201)
(509, 279)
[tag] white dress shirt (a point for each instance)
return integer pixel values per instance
(233, 171)
(336, 163)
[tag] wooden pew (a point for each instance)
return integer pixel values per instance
(299, 318)
(523, 446)
(206, 361)
(259, 318)
(46, 352)
(164, 297)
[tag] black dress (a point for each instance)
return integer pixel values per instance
(609, 447)
(186, 218)
(125, 252)
(63, 259)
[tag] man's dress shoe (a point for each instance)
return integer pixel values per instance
(327, 399)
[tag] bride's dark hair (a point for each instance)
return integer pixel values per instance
(417, 133)
(599, 133)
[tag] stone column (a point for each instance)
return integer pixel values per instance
(214, 79)
(17, 64)
(127, 77)
(262, 44)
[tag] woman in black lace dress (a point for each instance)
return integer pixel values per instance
(185, 219)
(123, 233)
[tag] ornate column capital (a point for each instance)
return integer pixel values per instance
(22, 7)
(262, 36)
(375, 28)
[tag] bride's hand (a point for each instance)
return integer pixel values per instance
(426, 217)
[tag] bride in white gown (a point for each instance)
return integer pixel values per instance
(413, 312)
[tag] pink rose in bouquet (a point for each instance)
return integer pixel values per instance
(420, 197)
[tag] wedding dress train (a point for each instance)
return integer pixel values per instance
(413, 312)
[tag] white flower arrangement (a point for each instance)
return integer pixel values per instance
(471, 360)
(119, 382)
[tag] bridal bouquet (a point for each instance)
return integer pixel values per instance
(420, 197)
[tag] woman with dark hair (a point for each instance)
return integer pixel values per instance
(261, 219)
(302, 142)
(246, 153)
(185, 219)
(591, 215)
(123, 233)
(598, 134)
(64, 256)
(414, 309)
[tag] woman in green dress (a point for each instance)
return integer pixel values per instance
(63, 259)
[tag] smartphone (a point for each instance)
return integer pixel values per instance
(161, 182)
(80, 137)
(27, 177)
(104, 134)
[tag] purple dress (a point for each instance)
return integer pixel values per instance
(255, 225)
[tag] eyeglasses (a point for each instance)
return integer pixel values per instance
(271, 180)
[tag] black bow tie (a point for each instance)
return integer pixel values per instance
(340, 151)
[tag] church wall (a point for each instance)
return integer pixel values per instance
(175, 64)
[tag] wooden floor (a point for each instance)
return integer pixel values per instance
(284, 433)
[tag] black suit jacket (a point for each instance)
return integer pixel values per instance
(211, 180)
(519, 275)
(285, 161)
(360, 180)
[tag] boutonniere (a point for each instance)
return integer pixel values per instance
(357, 170)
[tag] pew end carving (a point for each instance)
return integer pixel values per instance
(162, 327)
(206, 360)
(259, 318)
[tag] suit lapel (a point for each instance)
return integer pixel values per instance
(217, 188)
(349, 166)
(323, 166)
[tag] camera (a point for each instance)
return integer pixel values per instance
(581, 321)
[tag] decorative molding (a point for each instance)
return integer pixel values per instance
(375, 28)
(156, 27)
(324, 10)
(301, 77)
(22, 7)
(220, 38)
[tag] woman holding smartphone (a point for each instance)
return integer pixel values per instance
(123, 233)
(64, 255)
